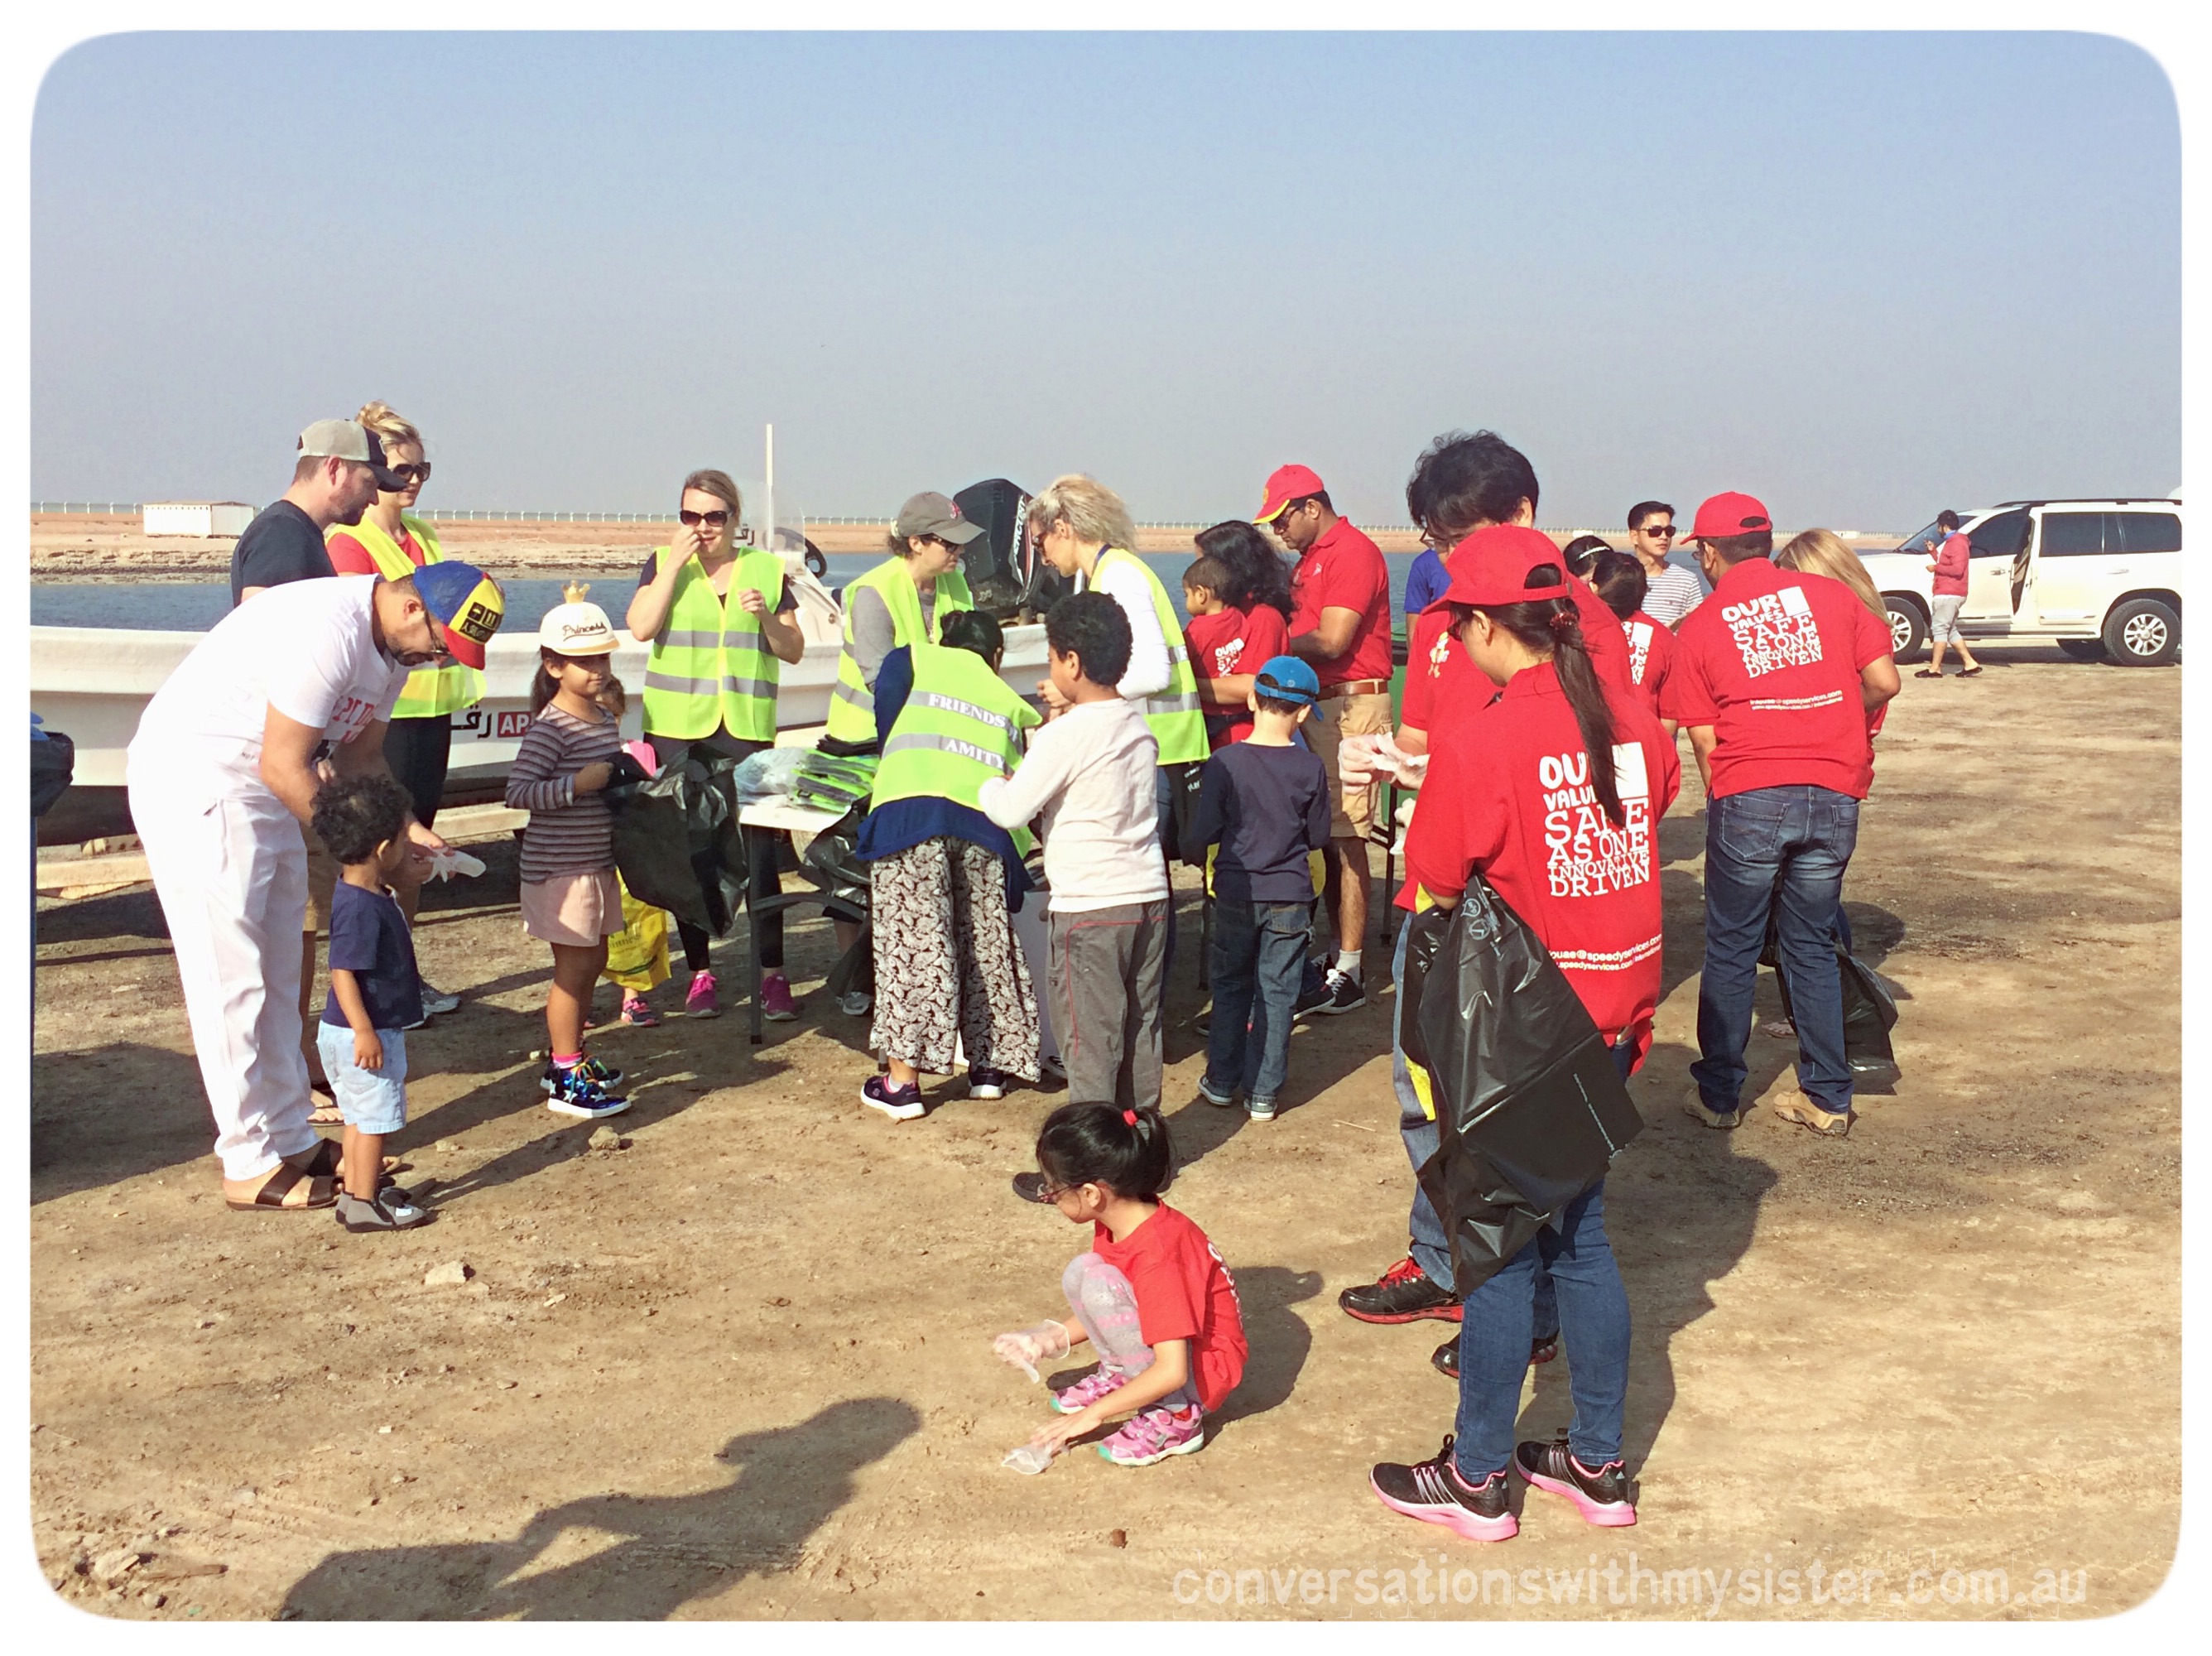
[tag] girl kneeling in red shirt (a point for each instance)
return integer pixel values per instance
(1552, 793)
(1152, 1296)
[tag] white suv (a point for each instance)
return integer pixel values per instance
(2098, 578)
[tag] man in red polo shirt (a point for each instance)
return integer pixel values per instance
(1775, 675)
(1340, 622)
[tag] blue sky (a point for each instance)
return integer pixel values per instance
(1861, 275)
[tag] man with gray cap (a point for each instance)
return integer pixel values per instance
(340, 469)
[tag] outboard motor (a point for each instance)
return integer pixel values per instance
(1008, 577)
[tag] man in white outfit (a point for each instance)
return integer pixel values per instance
(295, 686)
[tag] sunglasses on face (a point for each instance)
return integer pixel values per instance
(1658, 531)
(712, 520)
(417, 472)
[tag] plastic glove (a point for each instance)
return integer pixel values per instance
(1029, 1346)
(1029, 1458)
(446, 863)
(1356, 760)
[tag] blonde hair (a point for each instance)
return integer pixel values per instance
(1088, 507)
(1821, 552)
(379, 420)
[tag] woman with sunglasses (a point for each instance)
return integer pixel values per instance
(720, 620)
(391, 541)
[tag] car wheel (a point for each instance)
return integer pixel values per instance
(1908, 626)
(2083, 649)
(2142, 633)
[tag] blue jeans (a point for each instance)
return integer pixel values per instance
(1786, 846)
(1500, 1322)
(1259, 950)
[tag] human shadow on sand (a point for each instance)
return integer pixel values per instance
(669, 1550)
(109, 1113)
(1682, 1207)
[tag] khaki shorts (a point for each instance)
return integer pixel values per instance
(322, 881)
(1333, 720)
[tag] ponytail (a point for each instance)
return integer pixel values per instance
(1127, 1151)
(1553, 627)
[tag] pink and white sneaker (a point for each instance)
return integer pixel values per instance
(1101, 1383)
(1600, 1494)
(637, 1012)
(700, 1001)
(1155, 1433)
(776, 1004)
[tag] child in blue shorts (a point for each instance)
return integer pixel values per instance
(375, 992)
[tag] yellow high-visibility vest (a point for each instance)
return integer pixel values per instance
(430, 693)
(852, 704)
(710, 668)
(1177, 722)
(961, 726)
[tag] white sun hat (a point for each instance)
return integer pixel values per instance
(574, 627)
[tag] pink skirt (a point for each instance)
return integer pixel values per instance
(574, 910)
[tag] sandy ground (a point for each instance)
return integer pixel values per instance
(739, 1368)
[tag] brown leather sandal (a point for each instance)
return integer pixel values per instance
(278, 1190)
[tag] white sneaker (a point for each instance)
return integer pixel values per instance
(436, 1002)
(856, 1003)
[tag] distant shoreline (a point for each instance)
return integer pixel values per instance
(84, 547)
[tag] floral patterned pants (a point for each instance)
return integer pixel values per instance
(947, 964)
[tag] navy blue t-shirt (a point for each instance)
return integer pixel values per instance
(1268, 806)
(369, 938)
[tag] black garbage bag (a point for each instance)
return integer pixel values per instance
(53, 763)
(1870, 1010)
(1530, 1109)
(675, 841)
(832, 863)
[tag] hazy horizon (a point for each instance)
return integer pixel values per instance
(1862, 277)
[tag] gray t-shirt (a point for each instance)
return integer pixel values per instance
(874, 636)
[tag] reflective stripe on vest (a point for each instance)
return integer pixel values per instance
(853, 704)
(710, 668)
(1177, 722)
(961, 726)
(430, 693)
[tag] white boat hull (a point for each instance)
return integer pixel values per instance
(93, 683)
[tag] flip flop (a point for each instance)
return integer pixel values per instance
(1925, 673)
(276, 1192)
(325, 1160)
(1970, 672)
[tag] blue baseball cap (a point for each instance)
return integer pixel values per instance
(1288, 678)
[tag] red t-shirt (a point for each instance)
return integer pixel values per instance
(1508, 797)
(1345, 571)
(1440, 678)
(1231, 641)
(1184, 1293)
(1651, 649)
(1772, 662)
(1951, 566)
(350, 557)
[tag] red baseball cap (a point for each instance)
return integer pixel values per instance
(1730, 514)
(1492, 566)
(1284, 484)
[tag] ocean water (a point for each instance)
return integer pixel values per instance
(194, 605)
